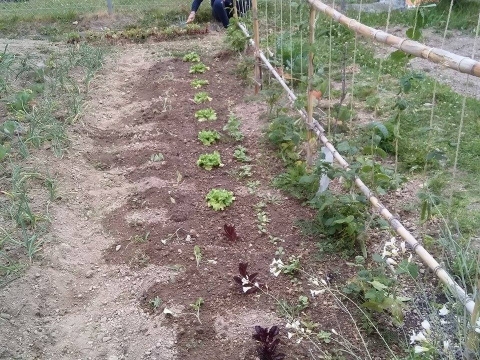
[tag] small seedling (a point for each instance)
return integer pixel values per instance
(280, 252)
(253, 186)
(272, 198)
(240, 154)
(209, 161)
(208, 137)
(196, 306)
(141, 238)
(201, 97)
(244, 171)
(191, 57)
(219, 199)
(232, 127)
(230, 233)
(268, 348)
(262, 217)
(207, 114)
(198, 254)
(198, 83)
(157, 157)
(246, 280)
(275, 240)
(155, 303)
(199, 68)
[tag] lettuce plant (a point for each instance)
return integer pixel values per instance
(209, 161)
(246, 280)
(208, 137)
(191, 57)
(219, 199)
(206, 115)
(268, 348)
(230, 233)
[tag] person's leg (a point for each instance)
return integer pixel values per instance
(219, 12)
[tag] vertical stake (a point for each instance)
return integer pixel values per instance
(235, 12)
(472, 342)
(256, 38)
(310, 94)
(110, 7)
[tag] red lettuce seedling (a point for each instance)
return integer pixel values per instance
(246, 280)
(230, 233)
(269, 344)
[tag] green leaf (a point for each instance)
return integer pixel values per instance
(436, 155)
(348, 219)
(378, 285)
(9, 127)
(406, 267)
(414, 33)
(3, 152)
(378, 258)
(399, 56)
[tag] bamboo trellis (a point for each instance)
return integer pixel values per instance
(445, 58)
(453, 61)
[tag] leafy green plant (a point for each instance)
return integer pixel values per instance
(191, 57)
(292, 267)
(208, 137)
(209, 161)
(201, 97)
(286, 136)
(232, 127)
(299, 180)
(340, 221)
(236, 39)
(199, 68)
(377, 289)
(240, 153)
(206, 115)
(219, 199)
(198, 83)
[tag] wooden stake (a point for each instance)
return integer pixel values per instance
(235, 13)
(473, 343)
(310, 98)
(256, 38)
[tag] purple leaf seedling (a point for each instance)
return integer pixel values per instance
(268, 348)
(230, 233)
(246, 280)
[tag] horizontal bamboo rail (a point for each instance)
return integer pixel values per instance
(428, 259)
(453, 61)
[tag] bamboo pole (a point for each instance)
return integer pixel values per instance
(453, 61)
(472, 342)
(256, 37)
(424, 255)
(235, 12)
(310, 97)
